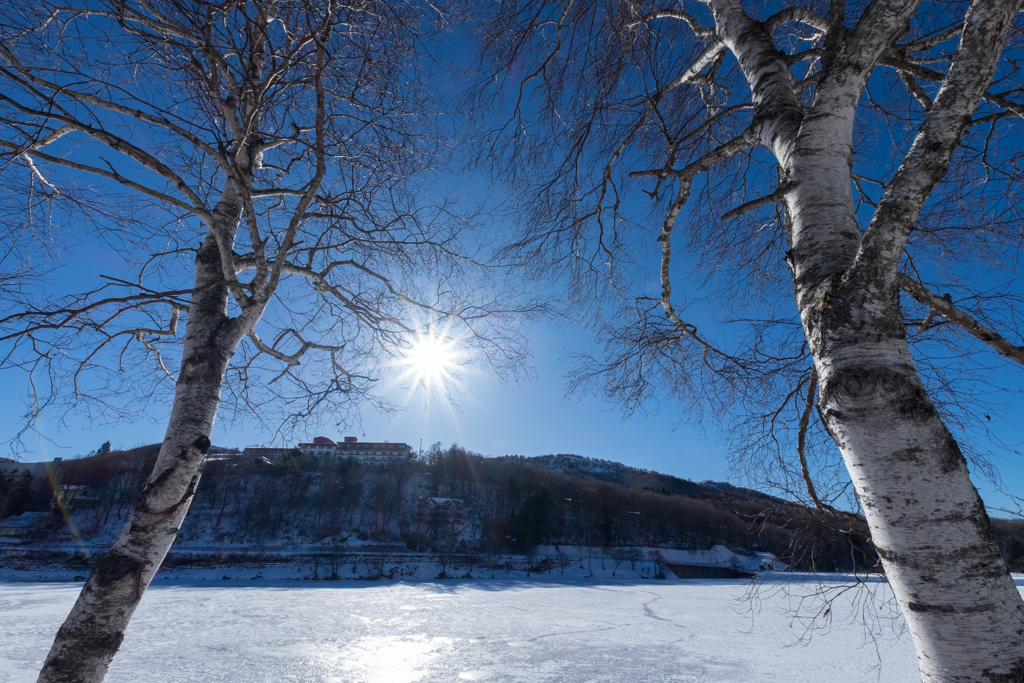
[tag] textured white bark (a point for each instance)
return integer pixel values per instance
(776, 108)
(929, 524)
(92, 633)
(986, 27)
(825, 235)
(236, 63)
(927, 520)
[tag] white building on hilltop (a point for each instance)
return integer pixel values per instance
(370, 452)
(14, 473)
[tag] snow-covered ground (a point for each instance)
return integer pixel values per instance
(361, 632)
(558, 563)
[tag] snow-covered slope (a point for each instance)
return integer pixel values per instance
(495, 507)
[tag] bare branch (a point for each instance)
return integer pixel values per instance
(942, 305)
(690, 20)
(779, 195)
(969, 76)
(801, 15)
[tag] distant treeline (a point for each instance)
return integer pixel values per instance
(509, 504)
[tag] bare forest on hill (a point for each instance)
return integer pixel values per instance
(507, 505)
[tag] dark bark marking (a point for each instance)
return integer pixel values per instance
(833, 414)
(202, 446)
(927, 560)
(912, 454)
(1016, 674)
(86, 646)
(926, 608)
(185, 497)
(850, 387)
(891, 556)
(114, 568)
(954, 458)
(979, 518)
(142, 504)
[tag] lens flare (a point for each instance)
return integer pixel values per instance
(65, 511)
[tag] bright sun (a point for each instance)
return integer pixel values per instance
(430, 359)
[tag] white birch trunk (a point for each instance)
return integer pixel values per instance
(92, 633)
(927, 521)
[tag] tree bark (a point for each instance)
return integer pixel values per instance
(927, 520)
(92, 633)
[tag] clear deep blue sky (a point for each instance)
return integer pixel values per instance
(532, 417)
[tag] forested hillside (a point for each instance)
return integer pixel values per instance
(505, 505)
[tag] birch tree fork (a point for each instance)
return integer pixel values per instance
(674, 91)
(260, 164)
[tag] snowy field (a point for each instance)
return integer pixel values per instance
(635, 631)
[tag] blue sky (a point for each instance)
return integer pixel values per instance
(529, 417)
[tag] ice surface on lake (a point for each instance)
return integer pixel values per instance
(471, 631)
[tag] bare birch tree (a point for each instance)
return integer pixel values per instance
(258, 169)
(853, 158)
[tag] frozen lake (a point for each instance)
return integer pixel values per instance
(474, 630)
